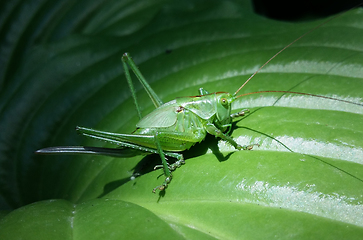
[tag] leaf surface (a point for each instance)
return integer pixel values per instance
(304, 181)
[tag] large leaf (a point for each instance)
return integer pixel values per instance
(305, 180)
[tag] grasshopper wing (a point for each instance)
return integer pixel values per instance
(163, 116)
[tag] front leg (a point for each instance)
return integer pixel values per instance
(212, 129)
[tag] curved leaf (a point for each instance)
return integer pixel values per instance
(304, 180)
(59, 219)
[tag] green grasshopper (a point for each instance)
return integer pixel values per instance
(174, 126)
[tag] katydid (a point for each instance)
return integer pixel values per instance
(174, 126)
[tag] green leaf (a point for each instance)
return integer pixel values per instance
(64, 70)
(59, 219)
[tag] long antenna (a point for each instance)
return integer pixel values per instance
(301, 93)
(284, 48)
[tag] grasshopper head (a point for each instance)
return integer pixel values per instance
(223, 102)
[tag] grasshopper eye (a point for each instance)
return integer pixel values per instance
(224, 101)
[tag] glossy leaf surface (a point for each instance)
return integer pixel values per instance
(304, 181)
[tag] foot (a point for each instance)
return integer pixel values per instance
(248, 147)
(177, 164)
(164, 185)
(240, 113)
